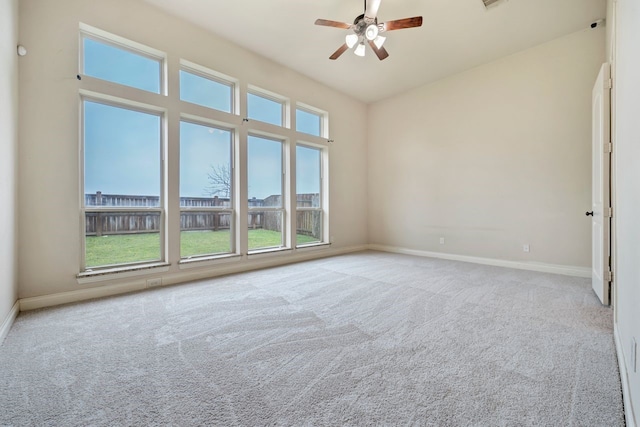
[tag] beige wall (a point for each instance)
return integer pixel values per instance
(49, 250)
(627, 178)
(8, 153)
(491, 159)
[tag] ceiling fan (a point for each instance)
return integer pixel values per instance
(366, 29)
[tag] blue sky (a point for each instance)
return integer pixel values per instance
(122, 146)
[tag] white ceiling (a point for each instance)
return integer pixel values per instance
(456, 35)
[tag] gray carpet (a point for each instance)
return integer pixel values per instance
(362, 339)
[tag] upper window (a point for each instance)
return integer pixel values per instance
(265, 109)
(206, 91)
(119, 64)
(308, 122)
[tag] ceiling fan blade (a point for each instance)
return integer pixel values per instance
(380, 53)
(372, 9)
(400, 24)
(336, 24)
(342, 49)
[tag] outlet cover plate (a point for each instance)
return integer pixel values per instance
(154, 282)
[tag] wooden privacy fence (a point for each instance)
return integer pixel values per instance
(131, 222)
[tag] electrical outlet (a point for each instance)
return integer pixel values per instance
(634, 355)
(442, 240)
(526, 247)
(154, 282)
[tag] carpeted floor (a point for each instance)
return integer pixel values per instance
(363, 339)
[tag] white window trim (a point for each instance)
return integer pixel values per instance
(116, 102)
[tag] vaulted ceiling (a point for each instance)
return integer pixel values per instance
(456, 35)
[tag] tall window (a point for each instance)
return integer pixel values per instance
(265, 177)
(206, 190)
(122, 185)
(309, 195)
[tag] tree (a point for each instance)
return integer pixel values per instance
(219, 181)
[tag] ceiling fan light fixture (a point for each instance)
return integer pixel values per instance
(379, 41)
(371, 32)
(365, 30)
(351, 40)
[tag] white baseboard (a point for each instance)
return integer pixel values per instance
(626, 392)
(8, 321)
(183, 276)
(546, 268)
(33, 303)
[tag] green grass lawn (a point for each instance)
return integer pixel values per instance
(125, 248)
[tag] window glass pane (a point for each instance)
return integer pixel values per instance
(121, 168)
(263, 109)
(308, 122)
(264, 158)
(308, 227)
(205, 166)
(207, 92)
(265, 229)
(121, 237)
(204, 233)
(308, 177)
(121, 156)
(205, 181)
(118, 65)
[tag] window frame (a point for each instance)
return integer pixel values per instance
(271, 96)
(231, 210)
(101, 36)
(322, 115)
(111, 101)
(321, 209)
(214, 76)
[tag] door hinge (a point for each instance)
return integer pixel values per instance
(610, 212)
(610, 276)
(608, 147)
(608, 84)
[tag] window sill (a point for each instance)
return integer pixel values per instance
(311, 246)
(99, 275)
(208, 261)
(268, 252)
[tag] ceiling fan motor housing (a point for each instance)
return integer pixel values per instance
(366, 27)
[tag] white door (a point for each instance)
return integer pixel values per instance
(600, 208)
